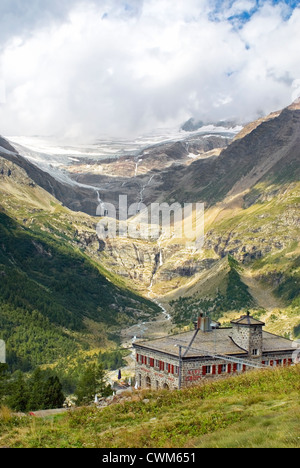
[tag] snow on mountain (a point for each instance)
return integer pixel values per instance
(54, 157)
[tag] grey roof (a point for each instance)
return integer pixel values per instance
(247, 320)
(276, 343)
(217, 342)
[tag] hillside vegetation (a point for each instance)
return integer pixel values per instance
(259, 409)
(54, 300)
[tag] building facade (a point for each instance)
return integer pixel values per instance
(208, 352)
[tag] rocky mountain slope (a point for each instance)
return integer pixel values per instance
(250, 187)
(55, 300)
(251, 192)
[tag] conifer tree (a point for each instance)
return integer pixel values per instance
(92, 382)
(53, 394)
(19, 394)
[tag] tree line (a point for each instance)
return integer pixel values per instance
(43, 390)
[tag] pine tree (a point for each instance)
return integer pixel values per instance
(91, 383)
(3, 380)
(36, 397)
(53, 394)
(19, 393)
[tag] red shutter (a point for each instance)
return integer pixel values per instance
(271, 363)
(290, 362)
(214, 370)
(204, 370)
(244, 368)
(234, 367)
(137, 357)
(220, 369)
(172, 370)
(151, 362)
(229, 369)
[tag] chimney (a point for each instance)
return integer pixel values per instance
(203, 323)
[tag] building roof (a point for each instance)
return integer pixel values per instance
(217, 342)
(247, 320)
(206, 343)
(273, 343)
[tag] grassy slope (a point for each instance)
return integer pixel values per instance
(258, 409)
(49, 290)
(221, 290)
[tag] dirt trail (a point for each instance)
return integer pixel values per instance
(263, 295)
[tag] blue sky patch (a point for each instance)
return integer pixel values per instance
(223, 7)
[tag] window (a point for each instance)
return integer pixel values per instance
(239, 367)
(161, 366)
(208, 370)
(157, 363)
(224, 369)
(148, 382)
(176, 370)
(255, 352)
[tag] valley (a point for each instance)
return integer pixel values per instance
(103, 293)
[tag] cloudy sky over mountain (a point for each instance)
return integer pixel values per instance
(84, 68)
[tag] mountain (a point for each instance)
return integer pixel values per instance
(193, 125)
(78, 177)
(55, 300)
(75, 197)
(251, 193)
(250, 186)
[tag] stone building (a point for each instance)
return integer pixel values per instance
(209, 352)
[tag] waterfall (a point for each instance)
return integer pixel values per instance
(161, 259)
(101, 205)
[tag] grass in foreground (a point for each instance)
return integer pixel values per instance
(258, 409)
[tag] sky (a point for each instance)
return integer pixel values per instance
(81, 69)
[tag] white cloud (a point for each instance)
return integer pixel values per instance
(123, 68)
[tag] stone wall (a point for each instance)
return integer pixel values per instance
(249, 338)
(160, 371)
(151, 373)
